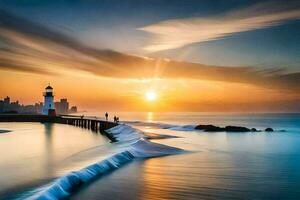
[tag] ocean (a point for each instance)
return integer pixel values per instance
(51, 161)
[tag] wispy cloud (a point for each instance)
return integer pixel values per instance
(177, 33)
(32, 48)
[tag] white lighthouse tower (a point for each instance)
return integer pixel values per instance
(49, 108)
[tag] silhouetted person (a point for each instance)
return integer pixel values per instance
(115, 119)
(106, 116)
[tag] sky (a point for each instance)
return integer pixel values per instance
(209, 56)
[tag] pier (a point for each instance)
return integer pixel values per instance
(90, 123)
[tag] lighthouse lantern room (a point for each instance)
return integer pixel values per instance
(49, 108)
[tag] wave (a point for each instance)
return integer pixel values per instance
(164, 126)
(126, 133)
(180, 128)
(139, 147)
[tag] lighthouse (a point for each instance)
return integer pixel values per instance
(49, 108)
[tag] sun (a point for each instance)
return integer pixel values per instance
(150, 96)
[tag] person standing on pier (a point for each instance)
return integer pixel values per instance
(106, 116)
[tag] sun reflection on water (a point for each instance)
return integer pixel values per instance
(149, 116)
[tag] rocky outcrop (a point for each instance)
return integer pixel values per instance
(212, 128)
(209, 128)
(236, 129)
(269, 130)
(4, 131)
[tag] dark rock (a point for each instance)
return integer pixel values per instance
(269, 130)
(209, 128)
(212, 128)
(236, 129)
(253, 130)
(4, 131)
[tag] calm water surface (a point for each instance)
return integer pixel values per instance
(217, 165)
(32, 153)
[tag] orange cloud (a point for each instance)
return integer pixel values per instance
(30, 47)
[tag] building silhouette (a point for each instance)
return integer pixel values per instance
(6, 106)
(73, 109)
(6, 101)
(62, 106)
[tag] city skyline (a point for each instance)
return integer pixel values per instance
(236, 56)
(61, 107)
